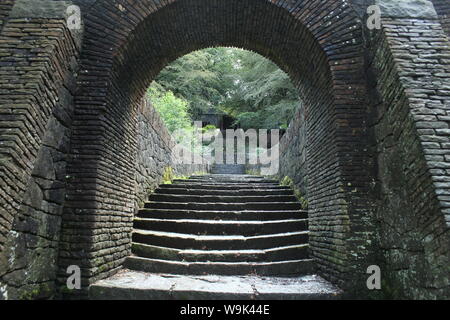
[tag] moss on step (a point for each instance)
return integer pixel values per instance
(168, 176)
(288, 182)
(252, 172)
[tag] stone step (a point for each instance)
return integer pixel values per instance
(278, 268)
(158, 197)
(250, 206)
(227, 182)
(222, 215)
(296, 252)
(233, 192)
(132, 285)
(224, 186)
(234, 178)
(221, 227)
(227, 176)
(232, 242)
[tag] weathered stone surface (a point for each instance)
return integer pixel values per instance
(35, 118)
(131, 285)
(40, 9)
(293, 153)
(369, 146)
(413, 234)
(155, 154)
(407, 9)
(443, 10)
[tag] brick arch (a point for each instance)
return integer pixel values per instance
(127, 44)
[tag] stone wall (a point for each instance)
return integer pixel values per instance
(5, 8)
(78, 209)
(39, 65)
(293, 153)
(412, 67)
(154, 152)
(38, 57)
(443, 10)
(125, 47)
(154, 157)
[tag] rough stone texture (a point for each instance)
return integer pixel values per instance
(443, 10)
(40, 9)
(5, 8)
(154, 155)
(133, 285)
(320, 44)
(407, 9)
(293, 153)
(411, 128)
(278, 247)
(38, 68)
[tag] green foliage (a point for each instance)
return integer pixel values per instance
(168, 175)
(243, 84)
(200, 78)
(174, 111)
(40, 290)
(288, 182)
(209, 127)
(263, 95)
(252, 172)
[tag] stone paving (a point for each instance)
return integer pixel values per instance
(140, 285)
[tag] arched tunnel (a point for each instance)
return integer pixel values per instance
(78, 143)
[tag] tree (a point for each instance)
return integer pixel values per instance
(199, 77)
(263, 95)
(243, 84)
(174, 111)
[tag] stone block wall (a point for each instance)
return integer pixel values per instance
(113, 132)
(443, 10)
(411, 63)
(293, 153)
(38, 70)
(154, 151)
(154, 157)
(5, 8)
(75, 204)
(38, 64)
(128, 43)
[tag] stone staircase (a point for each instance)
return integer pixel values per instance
(223, 226)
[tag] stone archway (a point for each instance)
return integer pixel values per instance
(376, 127)
(317, 43)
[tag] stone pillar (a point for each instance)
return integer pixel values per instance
(38, 59)
(410, 57)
